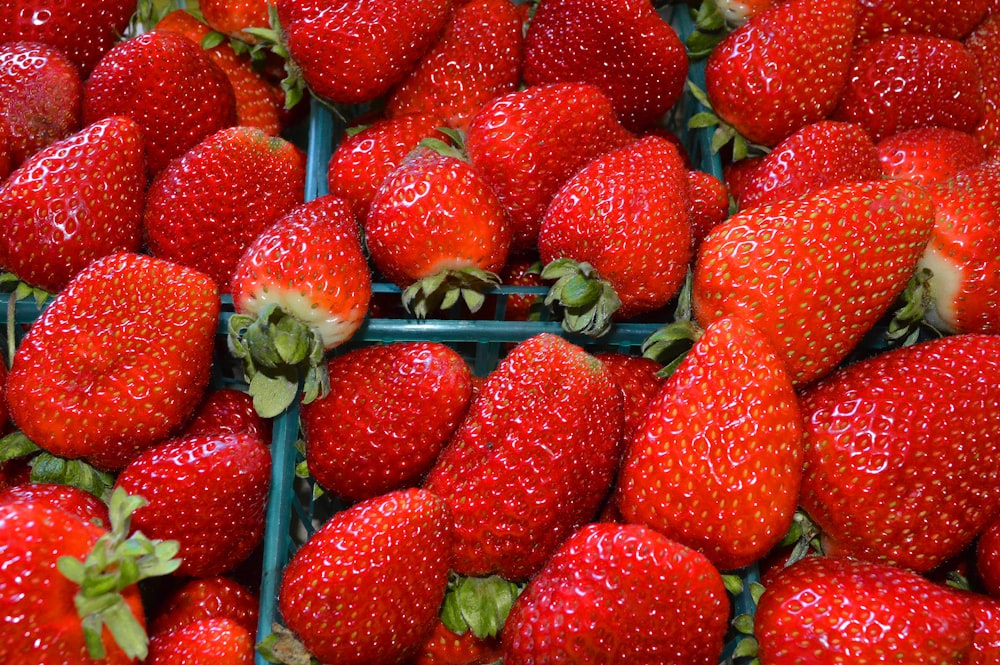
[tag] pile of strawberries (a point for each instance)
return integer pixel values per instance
(803, 465)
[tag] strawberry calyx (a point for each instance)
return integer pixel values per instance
(116, 562)
(724, 133)
(271, 39)
(16, 290)
(669, 344)
(910, 318)
(446, 288)
(710, 28)
(283, 647)
(479, 604)
(49, 468)
(586, 301)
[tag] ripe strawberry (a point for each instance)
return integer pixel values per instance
(446, 647)
(985, 647)
(395, 548)
(737, 12)
(207, 492)
(436, 229)
(983, 44)
(907, 81)
(75, 201)
(350, 52)
(215, 641)
(527, 143)
(818, 156)
(639, 379)
(228, 411)
(83, 378)
(205, 598)
(929, 155)
(478, 57)
(620, 224)
(782, 70)
(6, 149)
(619, 593)
(625, 48)
(205, 208)
(814, 274)
(988, 558)
(876, 433)
(82, 30)
(522, 270)
(71, 499)
(834, 610)
(365, 157)
(533, 459)
(964, 252)
(40, 96)
(709, 205)
(301, 288)
(169, 86)
(230, 17)
(954, 20)
(390, 410)
(716, 462)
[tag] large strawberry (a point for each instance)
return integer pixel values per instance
(118, 361)
(814, 274)
(206, 207)
(631, 596)
(929, 155)
(367, 587)
(75, 201)
(955, 20)
(533, 459)
(625, 48)
(301, 288)
(902, 451)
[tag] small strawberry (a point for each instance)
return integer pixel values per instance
(72, 499)
(954, 20)
(876, 432)
(985, 647)
(446, 647)
(929, 155)
(228, 411)
(639, 379)
(204, 598)
(215, 641)
(710, 205)
(390, 410)
(988, 558)
(983, 44)
(118, 361)
(230, 17)
(619, 593)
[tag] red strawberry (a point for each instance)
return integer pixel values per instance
(988, 558)
(623, 594)
(6, 149)
(527, 143)
(909, 81)
(75, 201)
(477, 58)
(716, 462)
(782, 70)
(230, 17)
(820, 155)
(986, 633)
(709, 205)
(983, 44)
(306, 281)
(639, 379)
(395, 547)
(964, 252)
(390, 411)
(621, 225)
(737, 12)
(876, 433)
(879, 18)
(82, 383)
(215, 641)
(366, 156)
(205, 208)
(522, 270)
(929, 155)
(833, 610)
(625, 48)
(436, 229)
(72, 499)
(204, 598)
(228, 411)
(533, 459)
(446, 647)
(40, 96)
(207, 492)
(169, 86)
(814, 274)
(84, 30)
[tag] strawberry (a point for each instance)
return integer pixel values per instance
(82, 380)
(301, 288)
(365, 157)
(196, 496)
(6, 149)
(228, 411)
(781, 70)
(527, 143)
(533, 459)
(834, 610)
(986, 633)
(215, 641)
(907, 81)
(393, 547)
(205, 598)
(737, 12)
(188, 98)
(716, 462)
(351, 52)
(230, 17)
(963, 254)
(620, 227)
(478, 57)
(814, 274)
(446, 647)
(982, 43)
(988, 558)
(819, 155)
(954, 20)
(876, 432)
(71, 499)
(929, 155)
(619, 593)
(638, 377)
(83, 30)
(522, 270)
(40, 96)
(436, 229)
(624, 48)
(205, 208)
(358, 451)
(709, 205)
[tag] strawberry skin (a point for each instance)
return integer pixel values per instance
(929, 155)
(983, 44)
(876, 434)
(228, 411)
(814, 274)
(81, 387)
(71, 499)
(619, 593)
(988, 558)
(204, 598)
(215, 641)
(880, 18)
